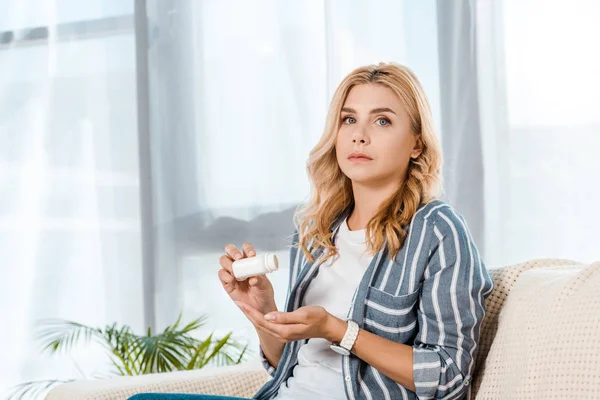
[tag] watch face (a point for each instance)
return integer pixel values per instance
(339, 350)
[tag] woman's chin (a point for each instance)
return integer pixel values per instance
(362, 178)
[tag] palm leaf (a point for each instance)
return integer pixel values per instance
(217, 347)
(59, 336)
(175, 325)
(230, 354)
(241, 356)
(199, 353)
(122, 343)
(192, 326)
(170, 350)
(161, 353)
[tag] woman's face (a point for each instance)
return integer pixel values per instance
(375, 123)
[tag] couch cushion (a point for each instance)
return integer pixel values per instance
(504, 278)
(547, 343)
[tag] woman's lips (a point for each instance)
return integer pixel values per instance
(359, 159)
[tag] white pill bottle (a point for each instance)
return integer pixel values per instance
(253, 266)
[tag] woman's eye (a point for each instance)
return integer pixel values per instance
(383, 121)
(349, 120)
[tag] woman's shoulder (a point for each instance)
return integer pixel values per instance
(431, 211)
(441, 217)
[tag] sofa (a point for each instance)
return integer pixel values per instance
(540, 339)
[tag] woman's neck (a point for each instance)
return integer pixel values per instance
(367, 200)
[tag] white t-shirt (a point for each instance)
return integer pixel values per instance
(318, 374)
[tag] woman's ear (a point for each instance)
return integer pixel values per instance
(418, 149)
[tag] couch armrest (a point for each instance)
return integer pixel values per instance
(237, 380)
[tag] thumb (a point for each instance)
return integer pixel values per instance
(295, 317)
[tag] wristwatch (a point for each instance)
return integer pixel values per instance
(347, 342)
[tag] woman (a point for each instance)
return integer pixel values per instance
(387, 289)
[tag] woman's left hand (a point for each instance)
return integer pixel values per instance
(304, 323)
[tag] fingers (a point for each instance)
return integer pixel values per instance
(226, 263)
(258, 320)
(248, 249)
(233, 252)
(227, 280)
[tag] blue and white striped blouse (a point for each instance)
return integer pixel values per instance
(431, 297)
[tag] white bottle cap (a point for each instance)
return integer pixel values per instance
(271, 263)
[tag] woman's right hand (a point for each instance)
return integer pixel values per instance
(255, 291)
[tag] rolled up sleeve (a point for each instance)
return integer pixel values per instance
(452, 306)
(265, 363)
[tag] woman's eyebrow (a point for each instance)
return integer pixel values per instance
(373, 111)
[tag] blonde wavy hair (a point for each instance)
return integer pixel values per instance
(331, 190)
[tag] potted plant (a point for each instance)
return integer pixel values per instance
(130, 354)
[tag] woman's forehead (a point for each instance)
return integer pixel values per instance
(367, 97)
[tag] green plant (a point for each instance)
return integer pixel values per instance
(130, 354)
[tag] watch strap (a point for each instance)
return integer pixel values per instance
(350, 336)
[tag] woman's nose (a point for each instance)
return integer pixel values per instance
(359, 136)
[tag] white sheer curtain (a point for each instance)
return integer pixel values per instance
(539, 81)
(69, 212)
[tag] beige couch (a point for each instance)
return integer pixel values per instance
(540, 339)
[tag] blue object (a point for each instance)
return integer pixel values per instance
(178, 396)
